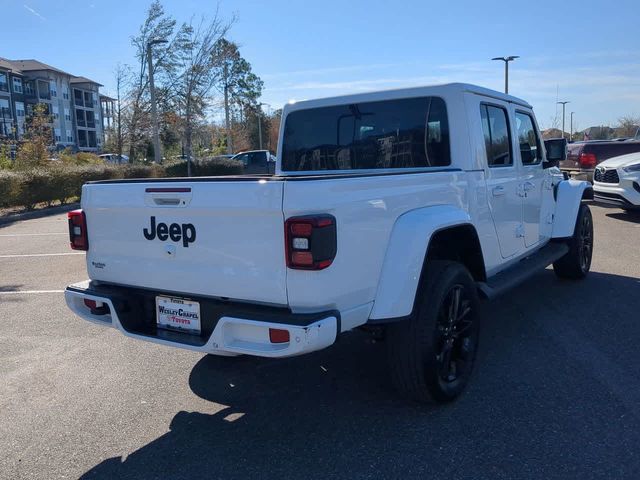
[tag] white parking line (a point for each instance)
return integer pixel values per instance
(31, 234)
(18, 292)
(41, 255)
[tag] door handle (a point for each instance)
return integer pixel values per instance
(498, 191)
(528, 186)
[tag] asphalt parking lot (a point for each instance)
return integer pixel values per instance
(555, 395)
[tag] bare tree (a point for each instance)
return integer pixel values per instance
(121, 73)
(196, 75)
(157, 25)
(628, 126)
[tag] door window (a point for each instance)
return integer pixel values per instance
(256, 158)
(530, 151)
(497, 137)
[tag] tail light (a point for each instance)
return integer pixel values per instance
(310, 242)
(78, 230)
(588, 160)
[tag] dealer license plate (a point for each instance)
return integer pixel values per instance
(178, 314)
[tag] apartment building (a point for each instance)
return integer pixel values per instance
(71, 101)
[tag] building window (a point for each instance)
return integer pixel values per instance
(69, 138)
(20, 109)
(91, 123)
(92, 138)
(5, 112)
(88, 101)
(80, 118)
(17, 85)
(67, 114)
(77, 97)
(57, 136)
(4, 86)
(56, 114)
(65, 92)
(82, 138)
(28, 88)
(53, 88)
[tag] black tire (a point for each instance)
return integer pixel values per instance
(577, 262)
(431, 357)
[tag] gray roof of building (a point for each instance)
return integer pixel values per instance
(83, 80)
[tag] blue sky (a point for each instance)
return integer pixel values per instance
(576, 51)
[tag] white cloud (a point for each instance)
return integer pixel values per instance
(34, 12)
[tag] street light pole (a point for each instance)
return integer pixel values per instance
(563, 117)
(571, 128)
(154, 110)
(506, 61)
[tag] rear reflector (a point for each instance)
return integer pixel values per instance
(277, 335)
(310, 242)
(92, 304)
(78, 237)
(588, 160)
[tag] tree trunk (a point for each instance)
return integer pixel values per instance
(227, 125)
(188, 132)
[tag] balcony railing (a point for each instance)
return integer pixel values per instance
(5, 113)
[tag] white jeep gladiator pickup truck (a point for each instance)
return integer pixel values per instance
(394, 211)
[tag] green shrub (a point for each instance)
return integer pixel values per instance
(205, 168)
(9, 187)
(62, 181)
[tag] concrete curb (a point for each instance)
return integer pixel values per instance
(44, 212)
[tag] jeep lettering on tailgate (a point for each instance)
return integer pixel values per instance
(185, 232)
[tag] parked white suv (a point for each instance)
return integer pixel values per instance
(393, 211)
(617, 181)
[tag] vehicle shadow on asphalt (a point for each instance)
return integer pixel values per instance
(534, 408)
(631, 216)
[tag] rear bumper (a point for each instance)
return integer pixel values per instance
(227, 328)
(579, 173)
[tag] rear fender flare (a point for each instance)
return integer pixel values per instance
(569, 195)
(405, 256)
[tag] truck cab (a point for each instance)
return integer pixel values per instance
(257, 161)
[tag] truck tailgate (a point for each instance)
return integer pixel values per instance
(215, 238)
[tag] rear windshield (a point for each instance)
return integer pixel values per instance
(402, 133)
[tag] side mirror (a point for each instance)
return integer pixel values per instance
(556, 151)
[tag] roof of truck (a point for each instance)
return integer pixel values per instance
(407, 93)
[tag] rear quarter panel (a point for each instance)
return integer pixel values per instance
(366, 209)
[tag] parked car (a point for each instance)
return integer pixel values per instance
(617, 181)
(257, 161)
(582, 157)
(114, 158)
(392, 211)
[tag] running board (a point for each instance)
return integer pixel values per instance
(522, 270)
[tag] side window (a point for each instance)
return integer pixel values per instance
(257, 158)
(530, 150)
(244, 159)
(497, 137)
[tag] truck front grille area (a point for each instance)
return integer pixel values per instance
(606, 176)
